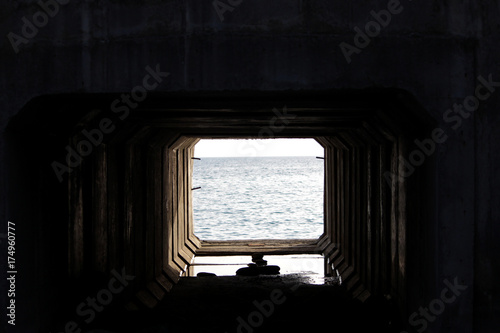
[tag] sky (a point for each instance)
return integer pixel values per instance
(257, 147)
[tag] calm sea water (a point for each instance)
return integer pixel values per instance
(258, 198)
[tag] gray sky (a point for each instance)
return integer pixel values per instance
(258, 147)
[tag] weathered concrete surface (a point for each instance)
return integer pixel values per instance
(273, 303)
(435, 50)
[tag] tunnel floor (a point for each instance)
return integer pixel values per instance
(275, 303)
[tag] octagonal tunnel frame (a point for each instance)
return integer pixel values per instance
(129, 202)
(356, 204)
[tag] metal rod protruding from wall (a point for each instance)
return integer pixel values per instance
(195, 188)
(321, 158)
(195, 158)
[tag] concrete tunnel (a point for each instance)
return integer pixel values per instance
(129, 199)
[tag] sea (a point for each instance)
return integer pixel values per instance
(258, 197)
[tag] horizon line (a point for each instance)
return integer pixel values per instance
(259, 156)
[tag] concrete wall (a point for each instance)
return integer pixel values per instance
(435, 50)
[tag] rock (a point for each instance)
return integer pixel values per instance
(257, 256)
(258, 270)
(261, 262)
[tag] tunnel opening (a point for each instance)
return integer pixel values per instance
(277, 194)
(259, 190)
